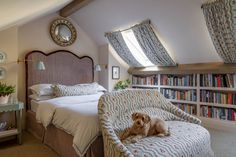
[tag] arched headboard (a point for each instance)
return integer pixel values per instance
(62, 66)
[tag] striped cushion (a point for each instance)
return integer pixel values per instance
(85, 89)
(186, 140)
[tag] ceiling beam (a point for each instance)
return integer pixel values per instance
(73, 7)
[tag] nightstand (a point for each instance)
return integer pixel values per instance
(18, 107)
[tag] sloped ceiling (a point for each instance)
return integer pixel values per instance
(16, 12)
(180, 24)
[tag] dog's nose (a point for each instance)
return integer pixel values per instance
(138, 122)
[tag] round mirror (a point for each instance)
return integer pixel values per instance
(63, 32)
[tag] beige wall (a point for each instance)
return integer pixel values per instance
(103, 60)
(115, 60)
(107, 55)
(9, 45)
(35, 36)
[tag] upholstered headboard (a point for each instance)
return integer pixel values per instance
(62, 66)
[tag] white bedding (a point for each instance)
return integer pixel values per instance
(77, 115)
(34, 105)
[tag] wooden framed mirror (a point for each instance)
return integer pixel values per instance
(63, 32)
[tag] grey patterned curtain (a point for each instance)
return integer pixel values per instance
(220, 17)
(151, 45)
(118, 43)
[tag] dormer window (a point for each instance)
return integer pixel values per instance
(135, 48)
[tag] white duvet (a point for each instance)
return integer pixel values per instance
(77, 115)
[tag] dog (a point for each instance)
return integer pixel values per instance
(144, 126)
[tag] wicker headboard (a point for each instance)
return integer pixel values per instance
(62, 66)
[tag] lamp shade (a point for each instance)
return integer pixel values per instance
(40, 65)
(97, 67)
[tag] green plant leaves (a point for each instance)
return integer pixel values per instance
(122, 84)
(6, 89)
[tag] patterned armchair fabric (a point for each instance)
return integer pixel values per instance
(115, 111)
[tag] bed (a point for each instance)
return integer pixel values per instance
(57, 131)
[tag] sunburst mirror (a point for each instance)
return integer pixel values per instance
(63, 32)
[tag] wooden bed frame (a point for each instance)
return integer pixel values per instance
(63, 67)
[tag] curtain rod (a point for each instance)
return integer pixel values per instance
(145, 21)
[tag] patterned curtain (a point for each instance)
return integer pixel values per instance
(118, 43)
(151, 45)
(220, 17)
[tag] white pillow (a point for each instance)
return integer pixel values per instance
(101, 88)
(40, 98)
(98, 87)
(42, 89)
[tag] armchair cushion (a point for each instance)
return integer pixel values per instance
(187, 139)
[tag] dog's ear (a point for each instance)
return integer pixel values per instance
(134, 115)
(147, 118)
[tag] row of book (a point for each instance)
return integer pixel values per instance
(218, 80)
(218, 97)
(149, 80)
(218, 112)
(189, 95)
(189, 108)
(179, 80)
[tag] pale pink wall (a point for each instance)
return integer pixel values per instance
(9, 45)
(103, 60)
(115, 60)
(35, 36)
(107, 55)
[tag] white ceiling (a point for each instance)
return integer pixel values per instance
(180, 24)
(16, 12)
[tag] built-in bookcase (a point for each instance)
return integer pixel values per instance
(209, 96)
(189, 108)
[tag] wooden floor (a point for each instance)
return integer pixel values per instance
(31, 147)
(223, 144)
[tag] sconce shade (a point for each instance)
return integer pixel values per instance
(97, 67)
(40, 65)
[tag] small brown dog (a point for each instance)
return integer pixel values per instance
(144, 126)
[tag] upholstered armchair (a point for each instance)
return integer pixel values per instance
(187, 139)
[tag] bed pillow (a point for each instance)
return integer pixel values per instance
(101, 88)
(98, 87)
(42, 89)
(83, 89)
(40, 98)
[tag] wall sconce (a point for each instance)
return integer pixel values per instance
(98, 68)
(39, 65)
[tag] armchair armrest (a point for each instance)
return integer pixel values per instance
(112, 145)
(178, 112)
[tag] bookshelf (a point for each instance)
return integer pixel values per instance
(211, 96)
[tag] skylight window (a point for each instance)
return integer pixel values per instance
(135, 48)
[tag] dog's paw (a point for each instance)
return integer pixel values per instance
(168, 133)
(134, 140)
(160, 135)
(126, 141)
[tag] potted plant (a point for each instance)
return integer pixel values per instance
(5, 91)
(122, 84)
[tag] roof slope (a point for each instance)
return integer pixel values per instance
(180, 25)
(16, 12)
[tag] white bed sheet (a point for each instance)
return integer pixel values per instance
(34, 105)
(77, 115)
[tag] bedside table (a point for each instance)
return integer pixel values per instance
(17, 131)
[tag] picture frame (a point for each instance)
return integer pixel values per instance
(3, 73)
(3, 57)
(115, 72)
